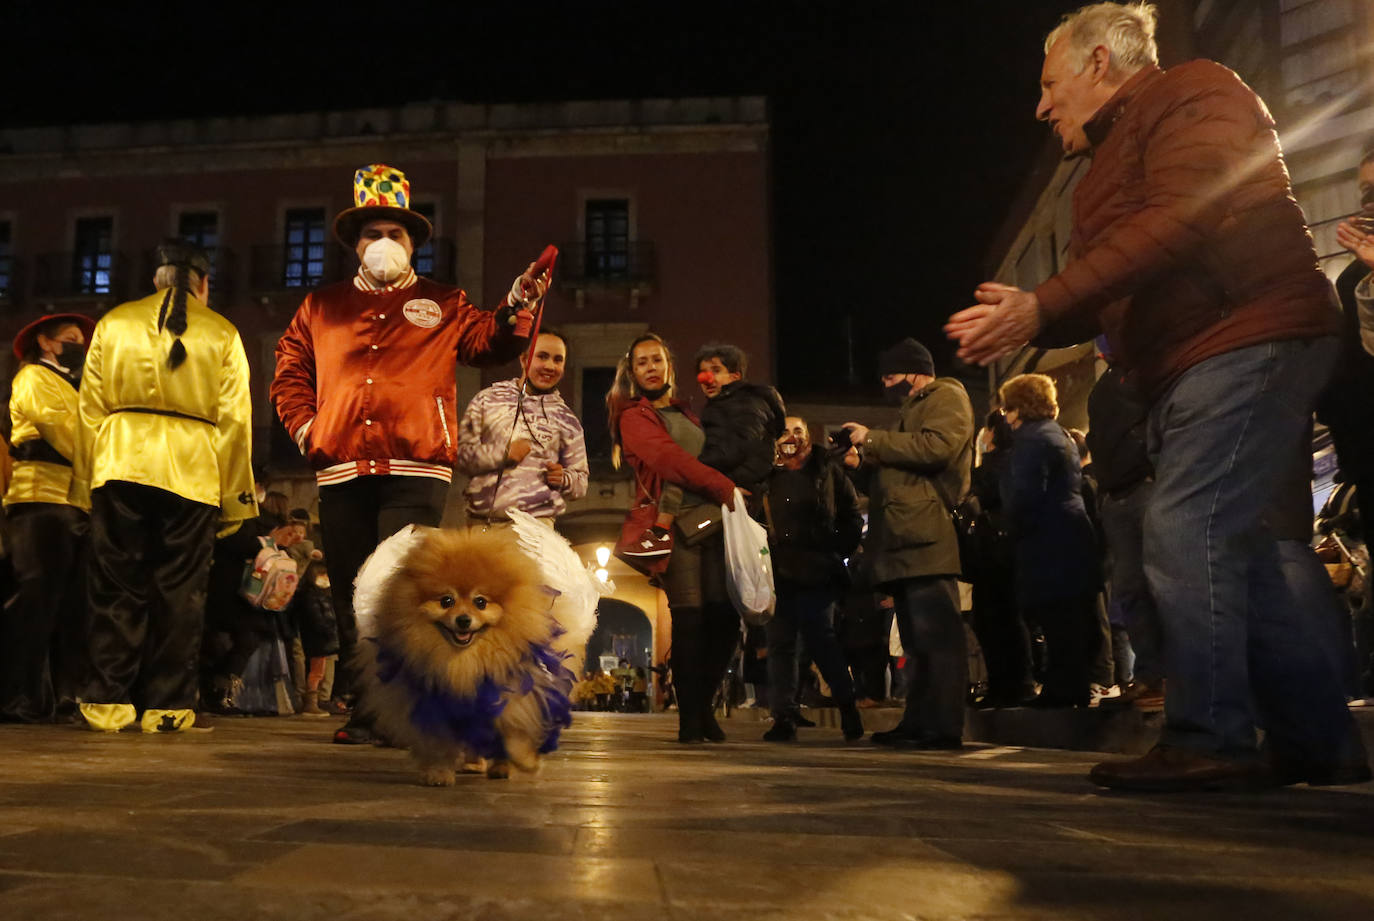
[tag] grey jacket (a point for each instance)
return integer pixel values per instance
(920, 469)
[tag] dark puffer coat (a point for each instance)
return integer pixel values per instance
(742, 425)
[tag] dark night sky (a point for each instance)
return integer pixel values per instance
(900, 129)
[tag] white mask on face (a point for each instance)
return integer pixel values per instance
(385, 259)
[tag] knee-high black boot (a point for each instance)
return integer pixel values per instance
(688, 656)
(721, 632)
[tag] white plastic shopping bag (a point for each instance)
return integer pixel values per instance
(748, 565)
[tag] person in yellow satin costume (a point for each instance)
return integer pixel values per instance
(163, 461)
(42, 627)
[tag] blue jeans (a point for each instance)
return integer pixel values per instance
(809, 612)
(1241, 647)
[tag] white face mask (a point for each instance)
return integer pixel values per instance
(385, 259)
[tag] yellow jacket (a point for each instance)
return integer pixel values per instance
(42, 406)
(187, 431)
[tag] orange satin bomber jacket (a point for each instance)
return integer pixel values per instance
(372, 375)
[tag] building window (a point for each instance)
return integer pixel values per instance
(423, 260)
(608, 237)
(303, 248)
(93, 255)
(200, 228)
(6, 262)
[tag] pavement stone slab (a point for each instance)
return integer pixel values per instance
(266, 819)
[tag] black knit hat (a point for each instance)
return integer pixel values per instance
(906, 357)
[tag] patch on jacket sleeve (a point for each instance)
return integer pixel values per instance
(423, 312)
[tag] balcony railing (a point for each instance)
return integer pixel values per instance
(68, 275)
(440, 263)
(296, 267)
(276, 267)
(583, 267)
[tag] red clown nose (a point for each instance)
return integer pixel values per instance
(705, 377)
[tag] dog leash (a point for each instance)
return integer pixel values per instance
(545, 263)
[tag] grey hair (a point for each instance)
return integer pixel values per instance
(1127, 30)
(165, 277)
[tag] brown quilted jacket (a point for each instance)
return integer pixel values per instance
(1187, 240)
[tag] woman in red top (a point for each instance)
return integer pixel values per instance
(660, 438)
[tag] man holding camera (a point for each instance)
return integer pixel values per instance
(917, 470)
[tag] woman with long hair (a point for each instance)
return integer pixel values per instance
(659, 438)
(42, 628)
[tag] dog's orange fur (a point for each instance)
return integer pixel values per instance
(449, 574)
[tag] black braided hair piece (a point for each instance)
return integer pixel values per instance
(175, 320)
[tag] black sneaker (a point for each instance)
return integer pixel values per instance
(650, 544)
(782, 731)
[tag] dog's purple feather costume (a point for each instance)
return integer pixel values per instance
(471, 721)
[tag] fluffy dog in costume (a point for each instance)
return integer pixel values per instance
(471, 636)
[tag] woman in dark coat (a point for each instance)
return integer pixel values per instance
(1055, 549)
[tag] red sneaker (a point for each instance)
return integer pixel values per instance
(651, 545)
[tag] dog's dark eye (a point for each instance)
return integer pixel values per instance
(479, 603)
(447, 601)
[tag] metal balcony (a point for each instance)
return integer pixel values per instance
(99, 276)
(581, 268)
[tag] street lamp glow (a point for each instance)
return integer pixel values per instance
(602, 575)
(603, 556)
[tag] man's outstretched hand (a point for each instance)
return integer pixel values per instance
(1004, 319)
(1357, 241)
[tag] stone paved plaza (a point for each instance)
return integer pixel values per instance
(264, 819)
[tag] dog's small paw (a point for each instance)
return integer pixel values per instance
(437, 777)
(475, 766)
(498, 770)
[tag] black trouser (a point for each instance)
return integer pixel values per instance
(354, 518)
(43, 631)
(149, 569)
(809, 612)
(932, 632)
(1004, 639)
(1072, 636)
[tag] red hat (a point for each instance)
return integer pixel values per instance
(26, 337)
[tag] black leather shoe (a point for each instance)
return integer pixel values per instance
(895, 736)
(803, 722)
(851, 723)
(710, 729)
(782, 731)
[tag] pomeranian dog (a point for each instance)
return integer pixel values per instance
(464, 660)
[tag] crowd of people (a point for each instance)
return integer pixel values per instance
(1162, 559)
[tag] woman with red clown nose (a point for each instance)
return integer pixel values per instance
(365, 383)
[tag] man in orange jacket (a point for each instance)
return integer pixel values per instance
(365, 384)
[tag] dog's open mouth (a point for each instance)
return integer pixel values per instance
(456, 637)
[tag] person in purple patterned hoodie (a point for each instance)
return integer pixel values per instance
(541, 465)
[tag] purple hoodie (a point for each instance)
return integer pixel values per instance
(554, 434)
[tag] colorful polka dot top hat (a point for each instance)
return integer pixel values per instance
(380, 193)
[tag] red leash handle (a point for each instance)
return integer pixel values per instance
(545, 263)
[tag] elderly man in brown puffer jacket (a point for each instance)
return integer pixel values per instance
(1191, 254)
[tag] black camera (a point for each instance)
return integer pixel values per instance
(840, 440)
